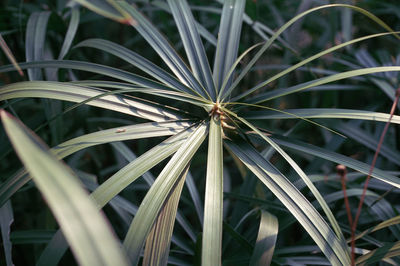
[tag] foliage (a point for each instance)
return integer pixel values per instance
(242, 123)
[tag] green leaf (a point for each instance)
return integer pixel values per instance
(35, 39)
(322, 113)
(54, 250)
(91, 67)
(161, 45)
(304, 177)
(31, 236)
(71, 31)
(76, 214)
(15, 182)
(388, 250)
(103, 8)
(287, 25)
(159, 240)
(266, 240)
(193, 46)
(337, 158)
(128, 174)
(75, 93)
(296, 203)
(137, 61)
(213, 204)
(228, 40)
(158, 193)
(10, 55)
(305, 61)
(382, 225)
(263, 97)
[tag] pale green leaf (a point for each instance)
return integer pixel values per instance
(159, 239)
(213, 204)
(76, 214)
(158, 193)
(296, 203)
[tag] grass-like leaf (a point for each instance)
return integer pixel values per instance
(322, 113)
(228, 40)
(75, 93)
(35, 39)
(193, 46)
(266, 240)
(164, 49)
(213, 204)
(159, 240)
(337, 158)
(158, 193)
(388, 250)
(69, 36)
(297, 204)
(75, 212)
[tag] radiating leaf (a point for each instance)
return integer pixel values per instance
(305, 61)
(322, 113)
(15, 182)
(263, 97)
(164, 49)
(228, 40)
(76, 214)
(193, 46)
(159, 239)
(136, 60)
(337, 158)
(156, 196)
(297, 204)
(91, 67)
(382, 225)
(287, 25)
(213, 199)
(75, 93)
(316, 193)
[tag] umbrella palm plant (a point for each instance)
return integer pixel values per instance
(221, 118)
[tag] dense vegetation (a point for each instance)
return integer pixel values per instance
(265, 129)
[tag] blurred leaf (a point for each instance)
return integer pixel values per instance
(10, 55)
(6, 219)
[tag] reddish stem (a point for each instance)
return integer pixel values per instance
(341, 170)
(371, 169)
